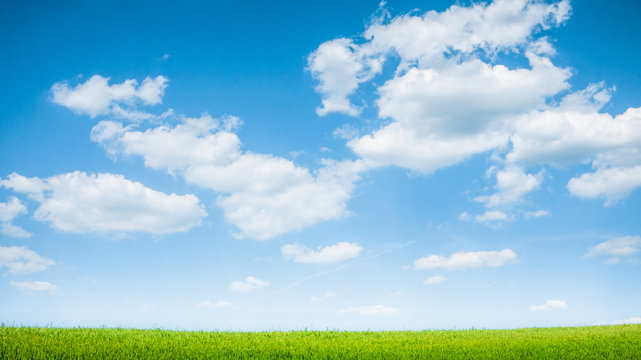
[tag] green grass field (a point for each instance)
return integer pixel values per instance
(597, 342)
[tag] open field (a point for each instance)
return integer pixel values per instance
(597, 342)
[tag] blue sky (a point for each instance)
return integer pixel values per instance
(243, 166)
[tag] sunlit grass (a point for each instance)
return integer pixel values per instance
(597, 342)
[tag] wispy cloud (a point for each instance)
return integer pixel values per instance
(34, 286)
(322, 255)
(464, 260)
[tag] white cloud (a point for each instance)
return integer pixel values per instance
(345, 132)
(33, 286)
(562, 137)
(250, 283)
(401, 145)
(577, 133)
(12, 230)
(512, 183)
(632, 320)
(78, 202)
(445, 102)
(340, 66)
(263, 195)
(8, 212)
(216, 304)
(622, 247)
(20, 260)
(449, 99)
(550, 305)
(322, 255)
(488, 217)
(96, 97)
(463, 260)
(370, 310)
(434, 280)
(536, 214)
(501, 25)
(610, 184)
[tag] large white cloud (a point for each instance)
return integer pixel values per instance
(96, 97)
(263, 195)
(322, 255)
(20, 260)
(8, 212)
(424, 40)
(463, 260)
(78, 202)
(451, 98)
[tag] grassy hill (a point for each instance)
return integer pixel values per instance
(596, 342)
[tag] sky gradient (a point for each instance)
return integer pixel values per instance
(244, 166)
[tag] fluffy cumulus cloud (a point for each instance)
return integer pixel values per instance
(20, 260)
(322, 255)
(340, 66)
(451, 98)
(550, 305)
(79, 202)
(263, 195)
(8, 212)
(445, 101)
(464, 260)
(97, 97)
(571, 134)
(625, 247)
(33, 286)
(250, 283)
(511, 184)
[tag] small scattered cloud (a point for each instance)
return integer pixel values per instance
(322, 255)
(34, 286)
(97, 97)
(250, 283)
(536, 214)
(550, 305)
(396, 293)
(345, 132)
(215, 304)
(631, 320)
(434, 280)
(20, 260)
(464, 260)
(616, 249)
(512, 183)
(370, 310)
(8, 212)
